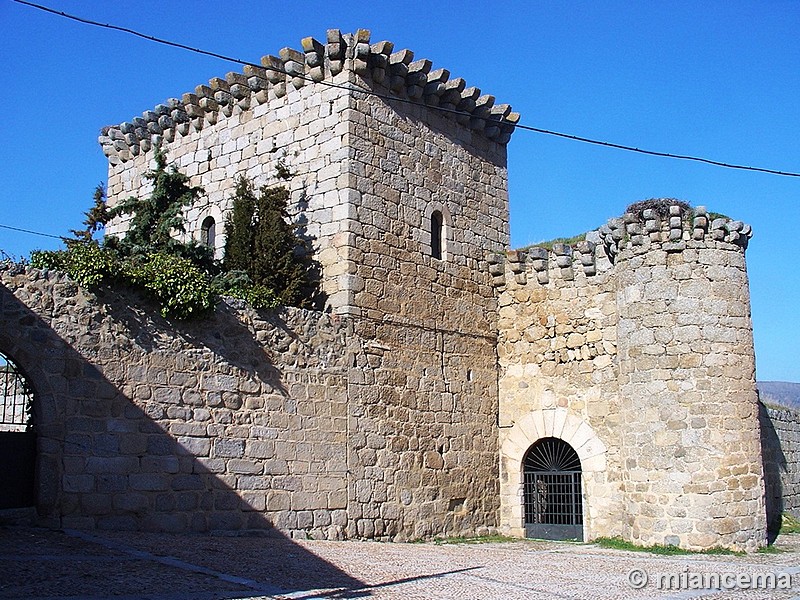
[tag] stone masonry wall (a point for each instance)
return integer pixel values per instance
(557, 353)
(303, 131)
(250, 420)
(693, 474)
(238, 422)
(368, 172)
(780, 441)
(635, 346)
(430, 396)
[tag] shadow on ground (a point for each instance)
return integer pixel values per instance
(38, 564)
(104, 464)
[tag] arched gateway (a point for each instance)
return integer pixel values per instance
(17, 438)
(553, 491)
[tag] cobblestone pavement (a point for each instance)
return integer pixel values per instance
(39, 564)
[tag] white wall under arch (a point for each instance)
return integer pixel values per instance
(514, 443)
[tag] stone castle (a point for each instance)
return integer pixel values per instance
(451, 387)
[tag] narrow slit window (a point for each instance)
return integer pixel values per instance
(436, 234)
(208, 232)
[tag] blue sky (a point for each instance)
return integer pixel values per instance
(714, 79)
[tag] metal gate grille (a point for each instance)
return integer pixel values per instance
(552, 487)
(17, 398)
(17, 438)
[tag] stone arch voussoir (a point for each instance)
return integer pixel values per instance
(514, 443)
(558, 423)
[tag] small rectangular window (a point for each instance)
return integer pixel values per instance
(436, 234)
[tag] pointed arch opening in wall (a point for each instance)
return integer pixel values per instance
(552, 491)
(17, 438)
(208, 232)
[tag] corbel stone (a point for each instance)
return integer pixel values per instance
(507, 128)
(434, 86)
(699, 223)
(275, 75)
(221, 91)
(239, 88)
(398, 69)
(207, 101)
(675, 223)
(718, 229)
(379, 60)
(586, 255)
(361, 51)
(481, 113)
(151, 118)
(451, 96)
(315, 58)
(335, 51)
(496, 114)
(467, 104)
(539, 261)
(294, 63)
(192, 104)
(417, 77)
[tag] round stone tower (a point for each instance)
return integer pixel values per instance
(690, 448)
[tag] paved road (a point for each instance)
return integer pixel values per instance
(41, 564)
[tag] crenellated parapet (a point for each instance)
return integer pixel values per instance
(379, 69)
(641, 332)
(670, 226)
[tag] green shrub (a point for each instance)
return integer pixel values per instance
(154, 220)
(265, 268)
(660, 205)
(87, 264)
(48, 259)
(237, 284)
(182, 290)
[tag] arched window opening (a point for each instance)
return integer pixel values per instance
(553, 495)
(208, 232)
(17, 438)
(437, 230)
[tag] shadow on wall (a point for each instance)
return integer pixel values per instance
(104, 463)
(774, 462)
(227, 338)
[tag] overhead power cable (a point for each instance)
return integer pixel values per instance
(354, 88)
(50, 235)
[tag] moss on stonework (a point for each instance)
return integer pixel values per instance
(790, 524)
(548, 245)
(482, 539)
(617, 543)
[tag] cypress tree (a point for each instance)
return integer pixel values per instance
(158, 216)
(238, 231)
(96, 218)
(261, 242)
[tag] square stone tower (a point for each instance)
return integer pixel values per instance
(376, 144)
(398, 176)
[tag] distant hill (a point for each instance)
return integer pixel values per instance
(779, 392)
